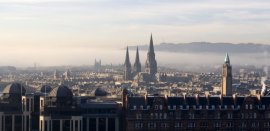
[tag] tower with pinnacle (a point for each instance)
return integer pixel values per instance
(226, 77)
(151, 63)
(127, 67)
(137, 65)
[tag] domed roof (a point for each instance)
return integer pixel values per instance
(14, 88)
(100, 92)
(45, 89)
(61, 91)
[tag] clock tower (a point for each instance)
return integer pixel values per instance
(226, 86)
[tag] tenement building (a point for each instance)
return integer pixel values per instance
(223, 112)
(196, 112)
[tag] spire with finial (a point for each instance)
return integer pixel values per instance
(127, 70)
(127, 61)
(227, 59)
(151, 63)
(137, 64)
(151, 46)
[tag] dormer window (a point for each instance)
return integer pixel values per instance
(181, 107)
(223, 107)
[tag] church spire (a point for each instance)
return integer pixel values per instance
(151, 46)
(137, 64)
(127, 66)
(151, 63)
(127, 61)
(137, 60)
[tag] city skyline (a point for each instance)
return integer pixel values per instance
(38, 30)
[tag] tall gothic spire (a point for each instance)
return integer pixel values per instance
(151, 63)
(151, 46)
(127, 61)
(127, 70)
(137, 64)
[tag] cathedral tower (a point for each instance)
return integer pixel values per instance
(151, 63)
(226, 77)
(137, 64)
(127, 71)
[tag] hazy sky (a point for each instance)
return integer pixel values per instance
(52, 32)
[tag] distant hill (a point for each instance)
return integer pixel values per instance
(207, 47)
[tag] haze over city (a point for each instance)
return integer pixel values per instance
(75, 32)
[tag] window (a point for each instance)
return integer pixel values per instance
(181, 107)
(178, 115)
(254, 124)
(243, 124)
(191, 124)
(217, 124)
(141, 107)
(156, 107)
(246, 106)
(267, 124)
(267, 115)
(250, 107)
(165, 116)
(138, 125)
(151, 125)
(229, 124)
(160, 107)
(138, 116)
(229, 115)
(242, 115)
(156, 115)
(152, 116)
(191, 115)
(164, 125)
(178, 125)
(255, 115)
(204, 124)
(217, 116)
